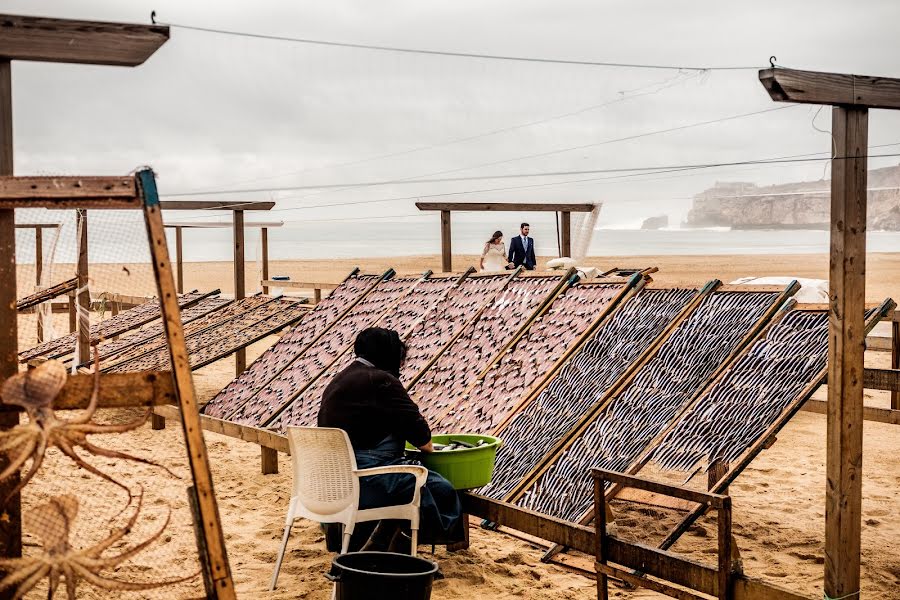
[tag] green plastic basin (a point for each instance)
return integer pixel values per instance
(464, 468)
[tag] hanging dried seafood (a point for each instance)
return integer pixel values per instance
(35, 390)
(581, 383)
(53, 524)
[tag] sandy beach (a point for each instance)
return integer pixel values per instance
(778, 501)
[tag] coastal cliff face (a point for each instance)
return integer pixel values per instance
(804, 205)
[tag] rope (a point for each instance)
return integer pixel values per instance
(825, 596)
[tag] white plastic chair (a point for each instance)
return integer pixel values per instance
(326, 486)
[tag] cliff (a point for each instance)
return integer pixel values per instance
(804, 205)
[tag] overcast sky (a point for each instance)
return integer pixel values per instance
(210, 111)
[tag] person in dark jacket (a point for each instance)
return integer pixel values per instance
(368, 401)
(521, 249)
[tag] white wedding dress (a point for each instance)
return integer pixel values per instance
(494, 256)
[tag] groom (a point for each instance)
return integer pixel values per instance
(521, 249)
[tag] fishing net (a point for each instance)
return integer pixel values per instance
(583, 224)
(105, 509)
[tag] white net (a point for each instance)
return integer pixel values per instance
(583, 224)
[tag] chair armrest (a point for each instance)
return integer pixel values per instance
(420, 473)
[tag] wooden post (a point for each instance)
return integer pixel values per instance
(268, 460)
(240, 289)
(179, 258)
(73, 320)
(209, 528)
(317, 295)
(565, 227)
(716, 472)
(895, 360)
(264, 240)
(446, 252)
(11, 517)
(38, 271)
(600, 508)
(725, 549)
(157, 422)
(83, 295)
(846, 345)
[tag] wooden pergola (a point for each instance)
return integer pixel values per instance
(565, 211)
(95, 43)
(851, 97)
(264, 234)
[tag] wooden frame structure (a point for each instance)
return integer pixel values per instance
(86, 42)
(301, 285)
(38, 259)
(446, 208)
(851, 97)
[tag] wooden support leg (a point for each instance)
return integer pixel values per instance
(269, 460)
(464, 544)
(600, 508)
(846, 345)
(446, 250)
(716, 472)
(317, 295)
(73, 320)
(157, 422)
(895, 360)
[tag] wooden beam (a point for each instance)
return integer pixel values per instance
(82, 294)
(895, 359)
(811, 87)
(870, 413)
(504, 206)
(223, 224)
(446, 250)
(67, 192)
(50, 293)
(214, 205)
(117, 390)
(846, 349)
(71, 41)
(179, 259)
(303, 285)
(268, 460)
(565, 233)
(264, 242)
(211, 540)
(240, 286)
(11, 517)
(38, 271)
(882, 379)
(260, 437)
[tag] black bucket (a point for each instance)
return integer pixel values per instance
(382, 576)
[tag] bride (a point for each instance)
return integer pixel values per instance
(493, 258)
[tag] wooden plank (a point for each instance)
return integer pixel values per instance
(167, 205)
(883, 379)
(268, 460)
(870, 413)
(209, 533)
(725, 547)
(705, 498)
(895, 359)
(36, 188)
(812, 87)
(179, 260)
(846, 347)
(657, 563)
(11, 517)
(264, 242)
(260, 437)
(73, 41)
(630, 578)
(504, 206)
(223, 224)
(117, 390)
(300, 285)
(50, 293)
(446, 242)
(240, 284)
(83, 295)
(565, 232)
(38, 271)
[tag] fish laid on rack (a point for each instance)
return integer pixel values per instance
(505, 384)
(404, 316)
(665, 384)
(443, 385)
(263, 406)
(291, 345)
(581, 382)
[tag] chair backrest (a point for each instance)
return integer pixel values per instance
(323, 463)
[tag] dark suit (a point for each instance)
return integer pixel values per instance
(518, 255)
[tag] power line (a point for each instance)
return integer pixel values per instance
(417, 179)
(624, 97)
(457, 54)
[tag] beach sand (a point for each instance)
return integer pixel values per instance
(778, 501)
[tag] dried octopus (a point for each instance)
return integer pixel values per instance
(35, 391)
(53, 523)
